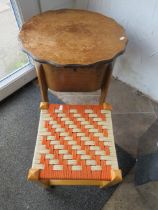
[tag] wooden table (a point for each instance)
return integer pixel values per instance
(74, 50)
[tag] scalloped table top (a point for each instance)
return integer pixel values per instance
(72, 37)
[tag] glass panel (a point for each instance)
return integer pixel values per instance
(11, 56)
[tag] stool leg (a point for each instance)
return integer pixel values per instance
(45, 184)
(106, 83)
(42, 82)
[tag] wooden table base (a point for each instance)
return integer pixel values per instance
(81, 79)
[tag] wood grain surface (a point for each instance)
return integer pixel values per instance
(72, 37)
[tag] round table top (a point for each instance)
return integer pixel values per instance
(72, 37)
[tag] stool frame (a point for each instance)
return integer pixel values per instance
(33, 174)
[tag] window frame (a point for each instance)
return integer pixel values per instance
(25, 74)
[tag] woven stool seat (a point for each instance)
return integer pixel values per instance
(75, 145)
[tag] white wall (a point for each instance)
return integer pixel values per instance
(28, 8)
(81, 4)
(139, 65)
(56, 4)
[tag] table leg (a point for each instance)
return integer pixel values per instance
(106, 83)
(42, 82)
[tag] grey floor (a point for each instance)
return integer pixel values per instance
(133, 114)
(19, 117)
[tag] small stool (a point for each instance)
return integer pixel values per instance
(75, 146)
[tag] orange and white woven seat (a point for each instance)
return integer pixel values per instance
(75, 146)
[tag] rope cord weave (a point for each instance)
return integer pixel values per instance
(75, 142)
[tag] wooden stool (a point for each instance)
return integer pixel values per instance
(75, 146)
(74, 50)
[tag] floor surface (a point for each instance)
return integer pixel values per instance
(133, 114)
(19, 117)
